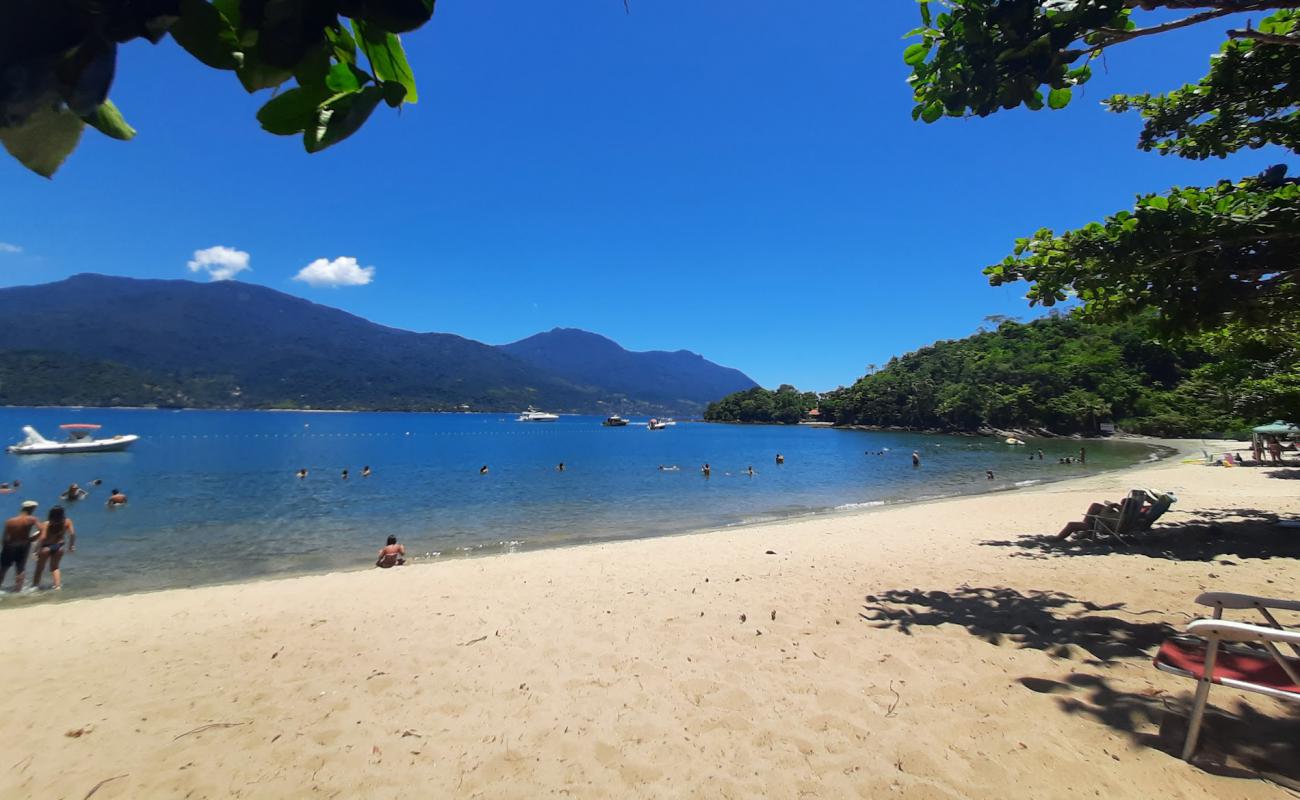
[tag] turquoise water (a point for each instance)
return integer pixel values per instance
(213, 496)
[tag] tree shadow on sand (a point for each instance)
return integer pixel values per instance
(1054, 622)
(1240, 742)
(1205, 535)
(1284, 474)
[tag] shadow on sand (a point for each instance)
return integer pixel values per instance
(1206, 535)
(1239, 743)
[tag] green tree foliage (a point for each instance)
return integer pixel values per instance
(1066, 374)
(787, 405)
(343, 57)
(1201, 258)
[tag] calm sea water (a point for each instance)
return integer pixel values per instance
(214, 498)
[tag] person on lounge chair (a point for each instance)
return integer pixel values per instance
(1153, 505)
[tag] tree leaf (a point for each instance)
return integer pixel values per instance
(256, 74)
(915, 54)
(1058, 99)
(1157, 202)
(932, 112)
(206, 34)
(109, 121)
(290, 112)
(342, 78)
(387, 58)
(43, 142)
(340, 118)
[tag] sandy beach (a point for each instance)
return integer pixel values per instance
(936, 650)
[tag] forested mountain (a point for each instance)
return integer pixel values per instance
(1067, 375)
(99, 340)
(787, 405)
(679, 379)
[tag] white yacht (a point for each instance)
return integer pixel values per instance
(533, 415)
(79, 441)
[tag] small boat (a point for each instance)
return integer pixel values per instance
(533, 415)
(667, 422)
(1014, 441)
(614, 421)
(656, 425)
(79, 441)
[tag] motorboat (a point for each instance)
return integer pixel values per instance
(1014, 441)
(656, 425)
(666, 422)
(79, 440)
(533, 415)
(614, 421)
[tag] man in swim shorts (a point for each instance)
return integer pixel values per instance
(18, 543)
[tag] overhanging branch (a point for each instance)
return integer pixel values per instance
(1266, 38)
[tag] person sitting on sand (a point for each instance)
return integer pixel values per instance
(391, 554)
(58, 533)
(116, 499)
(72, 494)
(17, 543)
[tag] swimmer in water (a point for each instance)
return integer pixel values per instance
(345, 474)
(780, 459)
(989, 473)
(483, 470)
(560, 467)
(73, 493)
(365, 471)
(916, 459)
(302, 473)
(117, 499)
(705, 470)
(751, 470)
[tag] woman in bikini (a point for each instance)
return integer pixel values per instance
(390, 555)
(59, 534)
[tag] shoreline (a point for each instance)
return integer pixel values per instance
(1163, 450)
(928, 650)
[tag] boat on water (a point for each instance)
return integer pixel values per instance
(533, 415)
(1014, 441)
(614, 421)
(79, 440)
(658, 425)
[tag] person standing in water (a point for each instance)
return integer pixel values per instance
(1083, 456)
(116, 499)
(705, 470)
(780, 459)
(916, 458)
(483, 470)
(989, 474)
(302, 473)
(345, 474)
(72, 494)
(560, 467)
(1040, 455)
(751, 470)
(58, 533)
(365, 471)
(17, 544)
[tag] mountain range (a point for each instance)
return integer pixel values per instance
(104, 340)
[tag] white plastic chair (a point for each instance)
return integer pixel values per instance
(1251, 662)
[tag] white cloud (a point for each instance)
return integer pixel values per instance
(5, 247)
(220, 263)
(342, 271)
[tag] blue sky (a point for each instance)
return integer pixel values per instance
(741, 180)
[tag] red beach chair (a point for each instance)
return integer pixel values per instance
(1235, 654)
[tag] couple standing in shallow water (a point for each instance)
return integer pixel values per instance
(51, 536)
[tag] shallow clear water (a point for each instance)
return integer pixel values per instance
(213, 496)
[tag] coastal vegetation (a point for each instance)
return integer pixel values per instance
(1192, 258)
(339, 58)
(787, 405)
(1064, 374)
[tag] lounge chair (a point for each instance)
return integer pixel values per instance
(1236, 654)
(1128, 517)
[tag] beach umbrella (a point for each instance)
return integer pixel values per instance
(1278, 428)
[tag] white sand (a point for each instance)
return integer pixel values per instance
(626, 670)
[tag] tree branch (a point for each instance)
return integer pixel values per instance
(1117, 36)
(1231, 6)
(1266, 38)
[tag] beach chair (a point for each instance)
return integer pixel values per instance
(1120, 522)
(1239, 655)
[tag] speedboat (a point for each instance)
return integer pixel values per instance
(614, 421)
(656, 425)
(533, 415)
(79, 441)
